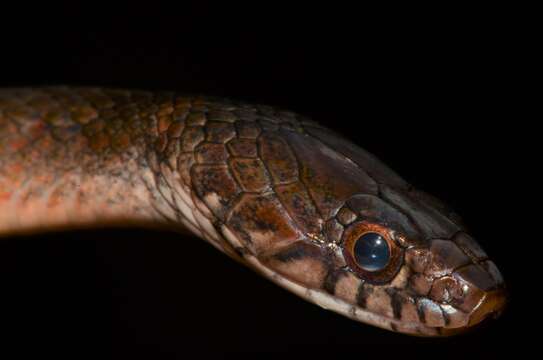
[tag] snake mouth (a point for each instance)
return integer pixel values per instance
(491, 307)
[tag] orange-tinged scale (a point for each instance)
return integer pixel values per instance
(4, 195)
(17, 144)
(164, 122)
(99, 142)
(121, 141)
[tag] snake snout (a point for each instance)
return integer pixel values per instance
(467, 285)
(476, 291)
(485, 295)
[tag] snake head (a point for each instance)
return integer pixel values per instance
(347, 233)
(411, 267)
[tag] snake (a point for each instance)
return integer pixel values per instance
(272, 189)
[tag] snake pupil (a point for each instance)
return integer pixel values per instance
(371, 251)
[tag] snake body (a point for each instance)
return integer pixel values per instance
(269, 188)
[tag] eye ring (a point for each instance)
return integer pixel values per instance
(386, 270)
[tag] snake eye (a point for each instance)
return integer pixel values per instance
(371, 251)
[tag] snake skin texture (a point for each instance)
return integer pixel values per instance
(270, 188)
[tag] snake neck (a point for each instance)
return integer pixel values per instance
(91, 157)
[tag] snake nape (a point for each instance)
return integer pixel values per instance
(289, 198)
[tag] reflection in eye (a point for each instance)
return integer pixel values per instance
(371, 251)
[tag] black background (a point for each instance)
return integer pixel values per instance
(438, 98)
